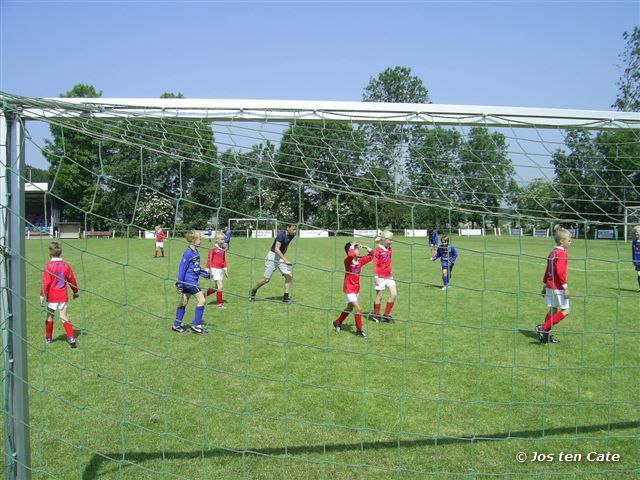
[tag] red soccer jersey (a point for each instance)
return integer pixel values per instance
(556, 274)
(352, 267)
(382, 265)
(217, 258)
(160, 236)
(57, 274)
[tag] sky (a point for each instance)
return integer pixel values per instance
(555, 54)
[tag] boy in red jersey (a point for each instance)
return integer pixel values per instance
(383, 277)
(160, 236)
(57, 274)
(353, 264)
(217, 266)
(555, 289)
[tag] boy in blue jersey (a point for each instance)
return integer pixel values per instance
(433, 241)
(189, 272)
(227, 238)
(635, 252)
(275, 259)
(447, 255)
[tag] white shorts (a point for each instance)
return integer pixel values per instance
(352, 297)
(382, 283)
(159, 244)
(273, 262)
(216, 273)
(556, 299)
(53, 306)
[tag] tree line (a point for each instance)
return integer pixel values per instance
(338, 175)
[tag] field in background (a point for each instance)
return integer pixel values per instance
(456, 388)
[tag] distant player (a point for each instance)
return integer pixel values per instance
(217, 265)
(433, 240)
(448, 256)
(55, 278)
(227, 237)
(555, 289)
(160, 236)
(189, 272)
(275, 259)
(383, 278)
(209, 233)
(635, 252)
(353, 264)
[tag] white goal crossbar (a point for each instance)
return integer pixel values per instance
(291, 110)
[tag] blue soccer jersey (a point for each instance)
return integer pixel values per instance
(635, 252)
(447, 256)
(433, 237)
(189, 270)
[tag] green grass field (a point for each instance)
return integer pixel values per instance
(455, 389)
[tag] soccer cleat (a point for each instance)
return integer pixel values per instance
(72, 342)
(552, 339)
(360, 333)
(446, 287)
(198, 330)
(376, 318)
(388, 319)
(337, 327)
(539, 332)
(221, 306)
(48, 340)
(252, 296)
(178, 329)
(287, 300)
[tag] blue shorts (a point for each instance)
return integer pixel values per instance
(447, 267)
(191, 289)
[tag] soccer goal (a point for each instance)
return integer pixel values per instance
(449, 382)
(631, 220)
(253, 227)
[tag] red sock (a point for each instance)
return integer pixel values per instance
(48, 327)
(219, 297)
(376, 309)
(387, 309)
(156, 254)
(342, 316)
(68, 328)
(358, 321)
(546, 326)
(557, 317)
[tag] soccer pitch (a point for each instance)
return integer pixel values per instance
(455, 388)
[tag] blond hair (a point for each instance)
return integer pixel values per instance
(384, 235)
(560, 233)
(636, 228)
(192, 235)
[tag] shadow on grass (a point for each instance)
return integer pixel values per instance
(632, 290)
(529, 334)
(133, 458)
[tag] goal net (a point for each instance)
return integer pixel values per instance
(457, 386)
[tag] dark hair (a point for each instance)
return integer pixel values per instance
(347, 247)
(444, 239)
(287, 225)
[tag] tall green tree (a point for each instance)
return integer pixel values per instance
(325, 156)
(388, 144)
(537, 199)
(486, 178)
(629, 83)
(73, 159)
